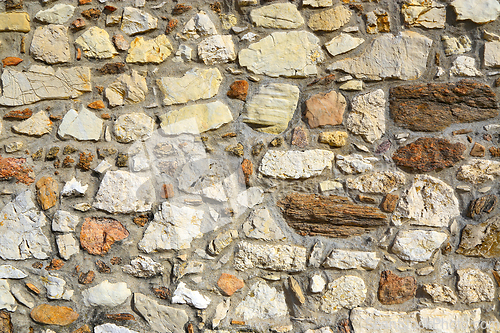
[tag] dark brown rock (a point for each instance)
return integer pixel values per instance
(481, 240)
(91, 14)
(325, 109)
(52, 153)
(78, 24)
(18, 114)
(99, 233)
(343, 326)
(181, 8)
(69, 150)
(276, 142)
(5, 322)
(15, 168)
(122, 160)
(257, 148)
(331, 216)
(383, 147)
(477, 150)
(55, 265)
(85, 160)
(102, 267)
(300, 137)
(116, 261)
(112, 68)
(237, 149)
(393, 289)
(482, 206)
(161, 292)
(428, 154)
(120, 316)
(86, 278)
(46, 192)
(238, 90)
(495, 151)
(434, 106)
(389, 203)
(13, 4)
(172, 23)
(67, 162)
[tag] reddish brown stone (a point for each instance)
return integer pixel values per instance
(162, 292)
(55, 264)
(110, 8)
(46, 192)
(112, 68)
(366, 199)
(102, 267)
(428, 154)
(99, 233)
(181, 9)
(389, 203)
(86, 278)
(477, 150)
(116, 261)
(190, 328)
(238, 90)
(393, 289)
(67, 162)
(37, 265)
(300, 137)
(106, 116)
(97, 105)
(172, 23)
(247, 167)
(53, 117)
(85, 160)
(78, 24)
(91, 14)
(18, 114)
(120, 316)
(332, 216)
(482, 206)
(229, 135)
(487, 137)
(495, 152)
(78, 53)
(11, 61)
(33, 288)
(5, 322)
(343, 326)
(84, 329)
(84, 2)
(229, 284)
(434, 106)
(167, 191)
(53, 315)
(14, 168)
(141, 220)
(325, 109)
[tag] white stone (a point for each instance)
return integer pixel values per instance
(7, 301)
(440, 293)
(95, 43)
(198, 83)
(450, 321)
(429, 202)
(82, 126)
(492, 54)
(64, 221)
(133, 126)
(221, 312)
(124, 192)
(465, 66)
(262, 302)
(393, 57)
(106, 294)
(143, 267)
(51, 44)
(278, 15)
(330, 185)
(55, 287)
(261, 225)
(11, 272)
(37, 125)
(475, 286)
(347, 259)
(161, 318)
(355, 163)
(478, 171)
(140, 163)
(112, 328)
(316, 255)
(346, 292)
(21, 235)
(456, 45)
(215, 192)
(22, 296)
(295, 164)
(249, 37)
(424, 13)
(173, 227)
(184, 295)
(367, 117)
(136, 21)
(271, 109)
(272, 56)
(478, 11)
(199, 25)
(287, 258)
(353, 85)
(103, 167)
(74, 188)
(251, 197)
(343, 43)
(417, 245)
(218, 49)
(67, 246)
(317, 3)
(325, 329)
(317, 284)
(58, 14)
(127, 89)
(183, 53)
(43, 83)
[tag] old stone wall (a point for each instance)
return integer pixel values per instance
(249, 166)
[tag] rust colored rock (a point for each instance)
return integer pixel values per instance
(55, 264)
(167, 191)
(247, 167)
(68, 162)
(84, 2)
(343, 326)
(86, 278)
(110, 8)
(181, 9)
(482, 206)
(325, 109)
(332, 216)
(366, 199)
(85, 160)
(229, 284)
(18, 114)
(14, 168)
(116, 261)
(477, 150)
(102, 267)
(46, 192)
(190, 328)
(112, 68)
(389, 203)
(11, 61)
(53, 315)
(172, 23)
(33, 288)
(120, 316)
(238, 90)
(300, 137)
(495, 152)
(5, 322)
(84, 329)
(433, 107)
(162, 292)
(141, 220)
(91, 14)
(99, 233)
(78, 24)
(393, 289)
(428, 154)
(97, 105)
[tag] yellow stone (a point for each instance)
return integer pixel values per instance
(15, 22)
(334, 139)
(149, 51)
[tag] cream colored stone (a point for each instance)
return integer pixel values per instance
(343, 43)
(271, 109)
(353, 85)
(274, 257)
(58, 14)
(475, 286)
(136, 21)
(367, 117)
(478, 11)
(464, 66)
(348, 259)
(198, 83)
(377, 182)
(478, 171)
(346, 292)
(330, 19)
(417, 245)
(440, 293)
(492, 54)
(50, 43)
(154, 50)
(95, 43)
(133, 126)
(290, 54)
(37, 125)
(456, 45)
(278, 15)
(127, 89)
(295, 164)
(199, 25)
(317, 3)
(83, 125)
(424, 13)
(196, 119)
(15, 21)
(218, 49)
(261, 225)
(262, 303)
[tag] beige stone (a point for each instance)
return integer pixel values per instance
(154, 50)
(13, 21)
(95, 43)
(218, 49)
(367, 117)
(198, 83)
(199, 25)
(127, 89)
(317, 3)
(343, 43)
(456, 45)
(50, 43)
(424, 13)
(331, 19)
(135, 21)
(278, 15)
(478, 11)
(334, 139)
(133, 126)
(492, 54)
(58, 14)
(37, 125)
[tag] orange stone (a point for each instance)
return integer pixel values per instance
(53, 315)
(97, 105)
(99, 233)
(229, 284)
(46, 192)
(11, 61)
(238, 90)
(247, 167)
(55, 264)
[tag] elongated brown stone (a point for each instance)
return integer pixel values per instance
(481, 240)
(434, 106)
(483, 205)
(331, 216)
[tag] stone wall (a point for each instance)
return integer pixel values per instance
(249, 166)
